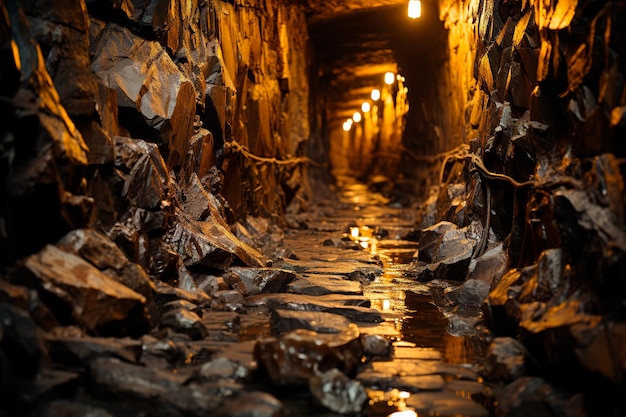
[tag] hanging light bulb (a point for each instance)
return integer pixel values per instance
(376, 94)
(356, 117)
(365, 107)
(389, 78)
(347, 125)
(415, 9)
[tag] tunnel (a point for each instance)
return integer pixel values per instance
(275, 208)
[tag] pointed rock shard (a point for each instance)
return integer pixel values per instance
(95, 300)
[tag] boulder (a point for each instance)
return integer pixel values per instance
(263, 280)
(92, 299)
(338, 393)
(186, 322)
(295, 357)
(505, 359)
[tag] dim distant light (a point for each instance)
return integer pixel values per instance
(415, 9)
(356, 117)
(389, 78)
(365, 107)
(376, 94)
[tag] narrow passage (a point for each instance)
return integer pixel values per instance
(362, 244)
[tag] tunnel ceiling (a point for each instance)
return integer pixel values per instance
(355, 43)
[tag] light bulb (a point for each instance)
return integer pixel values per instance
(365, 107)
(356, 117)
(376, 94)
(389, 78)
(415, 9)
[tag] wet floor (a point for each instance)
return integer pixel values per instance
(441, 369)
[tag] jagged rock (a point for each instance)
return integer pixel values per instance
(147, 81)
(297, 356)
(100, 251)
(452, 202)
(76, 285)
(200, 156)
(184, 305)
(376, 345)
(160, 353)
(354, 308)
(284, 321)
(33, 172)
(444, 252)
(220, 368)
(591, 219)
(490, 266)
(74, 351)
(94, 247)
(465, 320)
(232, 299)
(146, 176)
(209, 284)
(471, 291)
(209, 244)
(186, 322)
(314, 284)
(256, 403)
(547, 282)
(165, 390)
(338, 393)
(165, 293)
(293, 360)
(263, 280)
(505, 359)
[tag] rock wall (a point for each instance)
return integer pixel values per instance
(112, 108)
(530, 210)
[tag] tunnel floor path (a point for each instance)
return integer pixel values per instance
(361, 245)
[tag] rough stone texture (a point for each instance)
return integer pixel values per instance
(297, 356)
(505, 359)
(93, 299)
(337, 392)
(263, 280)
(284, 321)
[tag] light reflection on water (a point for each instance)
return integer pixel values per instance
(421, 325)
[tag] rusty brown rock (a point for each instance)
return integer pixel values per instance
(186, 322)
(295, 357)
(163, 96)
(209, 244)
(263, 280)
(147, 176)
(93, 299)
